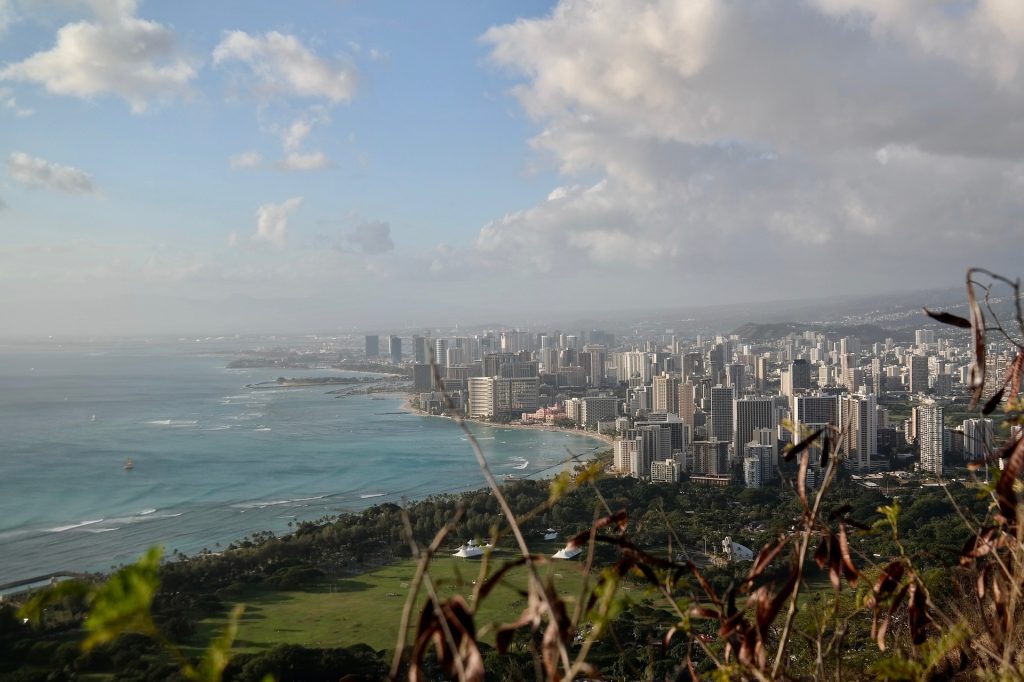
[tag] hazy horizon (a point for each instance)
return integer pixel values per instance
(256, 167)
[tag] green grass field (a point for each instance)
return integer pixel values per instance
(368, 607)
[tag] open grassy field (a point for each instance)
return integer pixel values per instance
(368, 607)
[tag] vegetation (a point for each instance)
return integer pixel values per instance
(848, 584)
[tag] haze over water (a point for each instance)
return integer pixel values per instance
(214, 460)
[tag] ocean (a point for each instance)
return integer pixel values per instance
(214, 461)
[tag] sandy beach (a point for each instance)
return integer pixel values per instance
(407, 406)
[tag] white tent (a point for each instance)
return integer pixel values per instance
(567, 552)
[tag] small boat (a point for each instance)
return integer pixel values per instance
(93, 418)
(129, 464)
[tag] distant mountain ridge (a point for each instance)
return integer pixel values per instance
(867, 333)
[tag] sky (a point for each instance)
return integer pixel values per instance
(258, 166)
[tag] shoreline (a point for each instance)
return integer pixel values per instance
(407, 406)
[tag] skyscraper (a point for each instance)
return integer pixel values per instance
(420, 354)
(736, 378)
(372, 347)
(929, 436)
(749, 414)
(858, 420)
(666, 394)
(918, 374)
(395, 349)
(977, 439)
(720, 423)
(441, 352)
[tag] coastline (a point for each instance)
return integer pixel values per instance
(407, 406)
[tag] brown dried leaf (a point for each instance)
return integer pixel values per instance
(1005, 495)
(888, 580)
(850, 571)
(764, 558)
(977, 372)
(801, 479)
(993, 402)
(918, 613)
(948, 318)
(977, 546)
(1015, 372)
(792, 452)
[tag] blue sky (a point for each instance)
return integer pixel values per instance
(256, 166)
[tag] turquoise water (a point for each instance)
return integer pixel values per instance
(214, 460)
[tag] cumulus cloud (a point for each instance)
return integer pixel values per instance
(36, 172)
(9, 102)
(272, 221)
(280, 65)
(296, 161)
(762, 135)
(371, 237)
(118, 54)
(248, 159)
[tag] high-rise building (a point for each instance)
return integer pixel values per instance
(372, 347)
(877, 376)
(625, 451)
(749, 414)
(736, 378)
(515, 395)
(633, 364)
(666, 394)
(665, 471)
(977, 439)
(710, 457)
(720, 424)
(858, 422)
(918, 365)
(686, 407)
(422, 377)
(799, 375)
(761, 373)
(765, 445)
(598, 409)
(924, 337)
(929, 436)
(693, 364)
(592, 360)
(441, 352)
(395, 349)
(815, 409)
(420, 351)
(482, 397)
(752, 470)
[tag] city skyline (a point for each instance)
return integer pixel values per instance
(169, 168)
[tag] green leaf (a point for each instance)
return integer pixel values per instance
(560, 485)
(68, 589)
(217, 655)
(123, 603)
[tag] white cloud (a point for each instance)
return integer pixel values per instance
(272, 221)
(304, 162)
(714, 137)
(372, 237)
(250, 159)
(281, 65)
(294, 135)
(119, 54)
(36, 172)
(9, 102)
